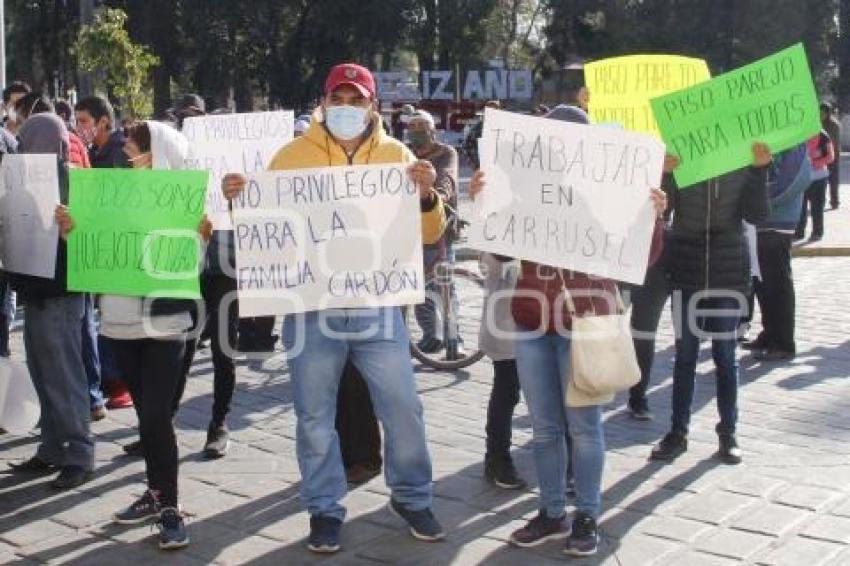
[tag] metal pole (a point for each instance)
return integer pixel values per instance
(2, 44)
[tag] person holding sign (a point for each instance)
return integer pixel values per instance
(53, 341)
(346, 130)
(709, 266)
(543, 320)
(148, 337)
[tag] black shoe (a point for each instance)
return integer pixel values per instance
(584, 538)
(729, 452)
(324, 534)
(172, 530)
(502, 473)
(423, 524)
(218, 442)
(640, 411)
(143, 509)
(134, 449)
(539, 530)
(816, 237)
(34, 466)
(70, 477)
(430, 345)
(671, 447)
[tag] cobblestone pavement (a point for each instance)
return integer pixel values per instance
(788, 503)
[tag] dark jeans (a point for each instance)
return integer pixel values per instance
(152, 369)
(4, 320)
(814, 197)
(775, 291)
(647, 304)
(215, 288)
(91, 356)
(504, 397)
(834, 182)
(256, 334)
(718, 318)
(356, 423)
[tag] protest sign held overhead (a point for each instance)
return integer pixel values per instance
(136, 232)
(567, 195)
(336, 237)
(29, 193)
(621, 87)
(228, 143)
(711, 127)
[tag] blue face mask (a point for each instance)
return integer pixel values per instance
(346, 122)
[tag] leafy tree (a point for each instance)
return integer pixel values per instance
(121, 67)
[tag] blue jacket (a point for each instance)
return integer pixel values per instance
(788, 178)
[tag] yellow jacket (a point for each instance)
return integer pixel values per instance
(316, 148)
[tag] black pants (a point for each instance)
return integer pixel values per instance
(814, 198)
(504, 397)
(215, 288)
(834, 183)
(356, 424)
(775, 291)
(4, 320)
(256, 334)
(647, 304)
(152, 371)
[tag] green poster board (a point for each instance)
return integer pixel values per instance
(711, 126)
(136, 232)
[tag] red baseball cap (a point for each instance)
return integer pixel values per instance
(351, 74)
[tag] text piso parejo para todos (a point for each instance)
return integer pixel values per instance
(287, 220)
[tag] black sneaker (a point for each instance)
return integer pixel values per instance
(639, 411)
(134, 449)
(729, 452)
(671, 447)
(172, 530)
(423, 524)
(502, 473)
(70, 477)
(144, 508)
(430, 345)
(584, 538)
(540, 529)
(34, 466)
(324, 534)
(218, 442)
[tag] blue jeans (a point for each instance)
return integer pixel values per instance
(54, 357)
(542, 361)
(91, 359)
(377, 343)
(715, 317)
(426, 312)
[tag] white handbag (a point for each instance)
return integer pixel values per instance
(602, 355)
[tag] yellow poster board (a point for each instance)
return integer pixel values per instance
(621, 87)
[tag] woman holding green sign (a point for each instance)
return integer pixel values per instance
(149, 341)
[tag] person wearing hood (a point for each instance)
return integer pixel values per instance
(346, 130)
(148, 338)
(52, 339)
(708, 263)
(540, 311)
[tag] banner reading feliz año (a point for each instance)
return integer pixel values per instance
(621, 87)
(136, 232)
(711, 127)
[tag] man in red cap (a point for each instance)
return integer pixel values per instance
(346, 130)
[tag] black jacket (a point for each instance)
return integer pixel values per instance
(706, 248)
(111, 155)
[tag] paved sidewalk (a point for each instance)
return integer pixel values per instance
(789, 503)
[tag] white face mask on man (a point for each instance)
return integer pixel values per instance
(346, 122)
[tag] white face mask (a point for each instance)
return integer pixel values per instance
(346, 122)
